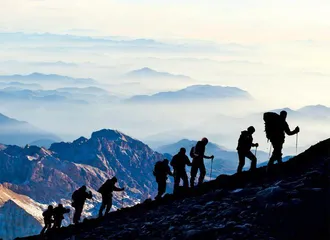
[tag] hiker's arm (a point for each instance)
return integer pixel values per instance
(188, 163)
(209, 157)
(255, 144)
(289, 132)
(118, 189)
(90, 195)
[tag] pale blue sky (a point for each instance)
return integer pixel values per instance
(217, 20)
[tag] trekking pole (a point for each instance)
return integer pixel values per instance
(211, 168)
(296, 143)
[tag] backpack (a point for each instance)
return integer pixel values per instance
(272, 124)
(157, 168)
(192, 152)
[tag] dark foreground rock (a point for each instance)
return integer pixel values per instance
(290, 202)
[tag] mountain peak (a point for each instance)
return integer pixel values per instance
(147, 72)
(107, 133)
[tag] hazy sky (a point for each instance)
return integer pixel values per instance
(240, 21)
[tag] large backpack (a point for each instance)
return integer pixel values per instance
(272, 124)
(157, 168)
(192, 152)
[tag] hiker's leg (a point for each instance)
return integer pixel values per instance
(202, 173)
(193, 173)
(277, 153)
(280, 147)
(273, 157)
(44, 229)
(109, 205)
(102, 206)
(185, 179)
(241, 162)
(253, 159)
(176, 180)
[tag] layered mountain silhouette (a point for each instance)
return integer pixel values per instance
(70, 95)
(194, 93)
(288, 202)
(41, 78)
(15, 132)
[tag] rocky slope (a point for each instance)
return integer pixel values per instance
(290, 202)
(36, 177)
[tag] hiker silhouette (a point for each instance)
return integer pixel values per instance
(106, 190)
(161, 171)
(78, 200)
(58, 213)
(179, 162)
(198, 162)
(48, 219)
(245, 142)
(275, 128)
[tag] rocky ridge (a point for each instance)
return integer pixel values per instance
(290, 202)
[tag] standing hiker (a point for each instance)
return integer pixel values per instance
(245, 142)
(198, 162)
(179, 162)
(59, 211)
(106, 190)
(161, 171)
(275, 128)
(78, 200)
(48, 219)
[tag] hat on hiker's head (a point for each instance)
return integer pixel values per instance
(251, 129)
(114, 179)
(166, 161)
(283, 113)
(182, 150)
(204, 139)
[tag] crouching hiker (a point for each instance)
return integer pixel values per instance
(78, 201)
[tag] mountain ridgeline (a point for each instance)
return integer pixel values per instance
(288, 202)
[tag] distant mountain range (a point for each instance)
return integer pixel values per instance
(33, 177)
(195, 93)
(41, 78)
(73, 95)
(14, 132)
(148, 73)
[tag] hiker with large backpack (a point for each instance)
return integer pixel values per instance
(179, 162)
(245, 142)
(161, 171)
(198, 161)
(106, 190)
(275, 128)
(78, 201)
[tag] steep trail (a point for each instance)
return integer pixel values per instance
(290, 202)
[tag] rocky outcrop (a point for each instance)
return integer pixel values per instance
(289, 202)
